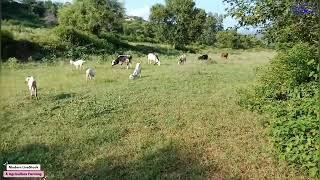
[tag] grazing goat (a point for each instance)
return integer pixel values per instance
(153, 57)
(90, 73)
(182, 59)
(122, 59)
(32, 85)
(224, 55)
(78, 64)
(203, 57)
(136, 72)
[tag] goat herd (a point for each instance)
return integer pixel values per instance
(121, 59)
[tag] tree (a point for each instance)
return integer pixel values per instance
(285, 22)
(212, 25)
(159, 18)
(227, 39)
(178, 21)
(138, 30)
(94, 16)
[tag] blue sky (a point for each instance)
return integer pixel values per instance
(142, 8)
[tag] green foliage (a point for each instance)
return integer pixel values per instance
(93, 16)
(231, 39)
(139, 31)
(212, 25)
(288, 26)
(29, 12)
(291, 68)
(20, 13)
(80, 43)
(180, 23)
(74, 37)
(13, 63)
(287, 89)
(226, 39)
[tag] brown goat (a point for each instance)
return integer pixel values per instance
(224, 55)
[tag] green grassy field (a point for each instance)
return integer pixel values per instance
(176, 122)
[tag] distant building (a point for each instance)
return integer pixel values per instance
(133, 18)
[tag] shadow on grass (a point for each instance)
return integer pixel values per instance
(63, 96)
(46, 156)
(169, 162)
(144, 76)
(22, 50)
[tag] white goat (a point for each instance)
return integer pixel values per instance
(182, 59)
(32, 85)
(78, 64)
(90, 73)
(153, 57)
(136, 72)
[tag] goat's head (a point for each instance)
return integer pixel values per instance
(113, 62)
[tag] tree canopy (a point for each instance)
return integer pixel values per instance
(285, 22)
(179, 23)
(94, 16)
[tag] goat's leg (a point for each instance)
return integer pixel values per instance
(36, 93)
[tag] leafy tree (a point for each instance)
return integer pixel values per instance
(94, 16)
(52, 7)
(178, 21)
(212, 25)
(197, 24)
(159, 18)
(227, 39)
(285, 22)
(138, 30)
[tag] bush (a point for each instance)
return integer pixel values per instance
(13, 63)
(74, 37)
(80, 43)
(288, 89)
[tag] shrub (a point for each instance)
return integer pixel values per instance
(79, 43)
(74, 37)
(288, 90)
(13, 63)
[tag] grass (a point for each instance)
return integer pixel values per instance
(176, 122)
